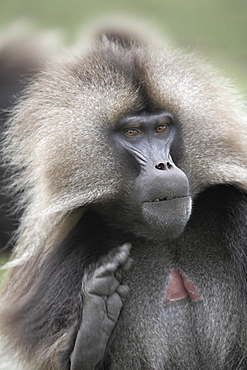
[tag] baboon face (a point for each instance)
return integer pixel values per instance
(146, 144)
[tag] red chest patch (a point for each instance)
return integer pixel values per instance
(179, 288)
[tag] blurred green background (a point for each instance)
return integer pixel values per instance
(217, 29)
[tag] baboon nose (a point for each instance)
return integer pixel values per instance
(163, 166)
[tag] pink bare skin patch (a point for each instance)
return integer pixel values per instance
(179, 287)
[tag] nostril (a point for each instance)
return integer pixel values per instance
(160, 166)
(163, 166)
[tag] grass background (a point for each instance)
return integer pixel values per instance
(216, 28)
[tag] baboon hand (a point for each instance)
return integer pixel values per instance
(104, 295)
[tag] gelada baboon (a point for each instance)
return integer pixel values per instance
(131, 252)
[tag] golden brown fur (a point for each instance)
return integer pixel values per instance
(57, 140)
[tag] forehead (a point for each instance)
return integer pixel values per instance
(145, 118)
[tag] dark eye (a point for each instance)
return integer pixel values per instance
(131, 132)
(161, 128)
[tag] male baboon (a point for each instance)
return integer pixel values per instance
(128, 150)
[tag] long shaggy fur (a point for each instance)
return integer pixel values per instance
(58, 141)
(23, 52)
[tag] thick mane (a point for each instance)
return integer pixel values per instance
(54, 171)
(124, 144)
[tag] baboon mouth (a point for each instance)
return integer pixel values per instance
(157, 200)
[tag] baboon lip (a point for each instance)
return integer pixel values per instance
(164, 199)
